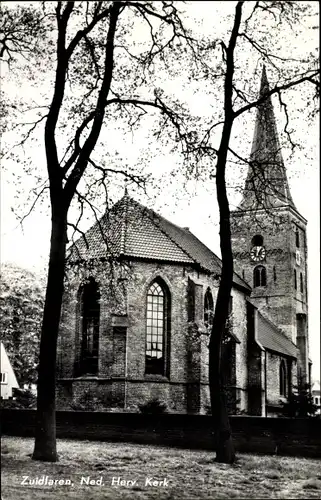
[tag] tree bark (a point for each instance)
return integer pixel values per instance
(224, 445)
(223, 438)
(45, 439)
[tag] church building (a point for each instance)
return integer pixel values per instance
(140, 293)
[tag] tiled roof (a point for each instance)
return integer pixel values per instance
(132, 230)
(273, 339)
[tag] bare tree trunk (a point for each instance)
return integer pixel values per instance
(45, 442)
(223, 439)
(224, 445)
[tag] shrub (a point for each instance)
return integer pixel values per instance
(153, 406)
(21, 310)
(87, 401)
(23, 398)
(94, 400)
(300, 403)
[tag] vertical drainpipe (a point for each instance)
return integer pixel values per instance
(256, 329)
(265, 383)
(125, 381)
(121, 254)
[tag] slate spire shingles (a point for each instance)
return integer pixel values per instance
(266, 184)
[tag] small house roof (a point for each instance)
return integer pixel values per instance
(6, 367)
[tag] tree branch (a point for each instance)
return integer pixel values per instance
(277, 89)
(91, 140)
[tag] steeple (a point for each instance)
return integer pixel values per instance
(266, 185)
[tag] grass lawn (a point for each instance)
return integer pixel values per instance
(188, 474)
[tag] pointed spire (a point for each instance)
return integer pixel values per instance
(126, 185)
(266, 185)
(265, 87)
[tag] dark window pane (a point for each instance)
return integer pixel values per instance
(90, 309)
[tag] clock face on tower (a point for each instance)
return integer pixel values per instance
(258, 253)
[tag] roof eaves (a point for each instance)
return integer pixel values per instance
(194, 264)
(242, 288)
(282, 352)
(246, 284)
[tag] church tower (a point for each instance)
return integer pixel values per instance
(269, 235)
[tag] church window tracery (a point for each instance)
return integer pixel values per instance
(157, 328)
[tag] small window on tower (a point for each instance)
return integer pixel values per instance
(274, 273)
(301, 283)
(259, 276)
(295, 280)
(297, 238)
(257, 240)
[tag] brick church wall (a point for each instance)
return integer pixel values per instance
(123, 306)
(273, 362)
(240, 330)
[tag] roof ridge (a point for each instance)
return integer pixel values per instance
(203, 244)
(123, 230)
(157, 216)
(161, 217)
(218, 260)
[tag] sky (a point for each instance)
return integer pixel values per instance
(193, 204)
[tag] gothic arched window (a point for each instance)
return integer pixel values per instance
(259, 276)
(89, 327)
(297, 238)
(295, 280)
(208, 309)
(282, 378)
(157, 329)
